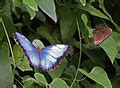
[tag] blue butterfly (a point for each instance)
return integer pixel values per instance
(47, 58)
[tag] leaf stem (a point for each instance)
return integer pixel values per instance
(79, 55)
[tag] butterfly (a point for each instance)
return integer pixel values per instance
(47, 58)
(100, 34)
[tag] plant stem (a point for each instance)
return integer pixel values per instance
(79, 55)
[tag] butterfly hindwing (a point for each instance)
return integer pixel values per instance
(28, 48)
(52, 55)
(101, 34)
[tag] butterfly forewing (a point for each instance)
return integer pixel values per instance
(101, 34)
(28, 48)
(52, 55)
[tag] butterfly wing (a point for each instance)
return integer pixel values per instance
(101, 34)
(28, 48)
(52, 55)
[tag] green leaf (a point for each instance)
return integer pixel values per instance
(38, 44)
(116, 82)
(40, 78)
(58, 83)
(17, 4)
(31, 83)
(9, 25)
(14, 86)
(76, 85)
(88, 84)
(6, 76)
(5, 8)
(85, 20)
(83, 2)
(5, 47)
(70, 71)
(93, 11)
(95, 55)
(67, 23)
(40, 16)
(58, 71)
(98, 75)
(116, 37)
(83, 29)
(1, 31)
(31, 11)
(2, 4)
(20, 59)
(109, 46)
(48, 7)
(31, 7)
(32, 4)
(102, 6)
(45, 32)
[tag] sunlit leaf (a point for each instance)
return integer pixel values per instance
(109, 46)
(58, 83)
(93, 11)
(31, 83)
(48, 7)
(31, 12)
(40, 78)
(83, 2)
(32, 4)
(116, 37)
(98, 75)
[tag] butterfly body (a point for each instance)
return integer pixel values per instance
(101, 34)
(47, 58)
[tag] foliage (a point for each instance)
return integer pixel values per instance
(47, 22)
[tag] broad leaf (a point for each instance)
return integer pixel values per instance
(109, 46)
(40, 78)
(93, 11)
(8, 24)
(67, 23)
(83, 2)
(101, 5)
(98, 75)
(31, 83)
(32, 4)
(6, 77)
(31, 11)
(58, 83)
(116, 37)
(48, 7)
(46, 32)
